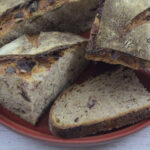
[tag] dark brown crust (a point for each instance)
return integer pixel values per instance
(27, 11)
(45, 59)
(116, 57)
(95, 28)
(142, 18)
(101, 127)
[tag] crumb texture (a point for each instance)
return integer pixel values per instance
(30, 92)
(102, 98)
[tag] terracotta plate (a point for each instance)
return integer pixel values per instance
(41, 130)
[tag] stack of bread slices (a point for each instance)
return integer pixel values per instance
(42, 55)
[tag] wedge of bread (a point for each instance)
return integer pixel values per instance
(31, 77)
(32, 16)
(109, 101)
(122, 36)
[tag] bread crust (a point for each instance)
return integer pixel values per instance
(31, 17)
(32, 77)
(26, 59)
(117, 57)
(100, 127)
(100, 49)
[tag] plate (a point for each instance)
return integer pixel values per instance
(41, 130)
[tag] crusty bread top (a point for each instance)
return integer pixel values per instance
(124, 26)
(25, 10)
(102, 98)
(46, 42)
(9, 4)
(23, 58)
(33, 16)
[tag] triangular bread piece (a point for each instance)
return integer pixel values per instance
(32, 77)
(103, 103)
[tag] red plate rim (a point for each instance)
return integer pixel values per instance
(99, 139)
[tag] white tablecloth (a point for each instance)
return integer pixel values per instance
(10, 140)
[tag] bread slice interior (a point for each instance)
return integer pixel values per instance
(109, 101)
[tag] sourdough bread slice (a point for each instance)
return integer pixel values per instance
(122, 36)
(19, 17)
(109, 101)
(31, 77)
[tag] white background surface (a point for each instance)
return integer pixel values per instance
(10, 140)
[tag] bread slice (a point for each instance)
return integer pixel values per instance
(19, 17)
(122, 36)
(109, 101)
(31, 77)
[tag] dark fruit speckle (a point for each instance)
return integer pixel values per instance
(25, 65)
(33, 7)
(76, 119)
(10, 70)
(91, 103)
(51, 1)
